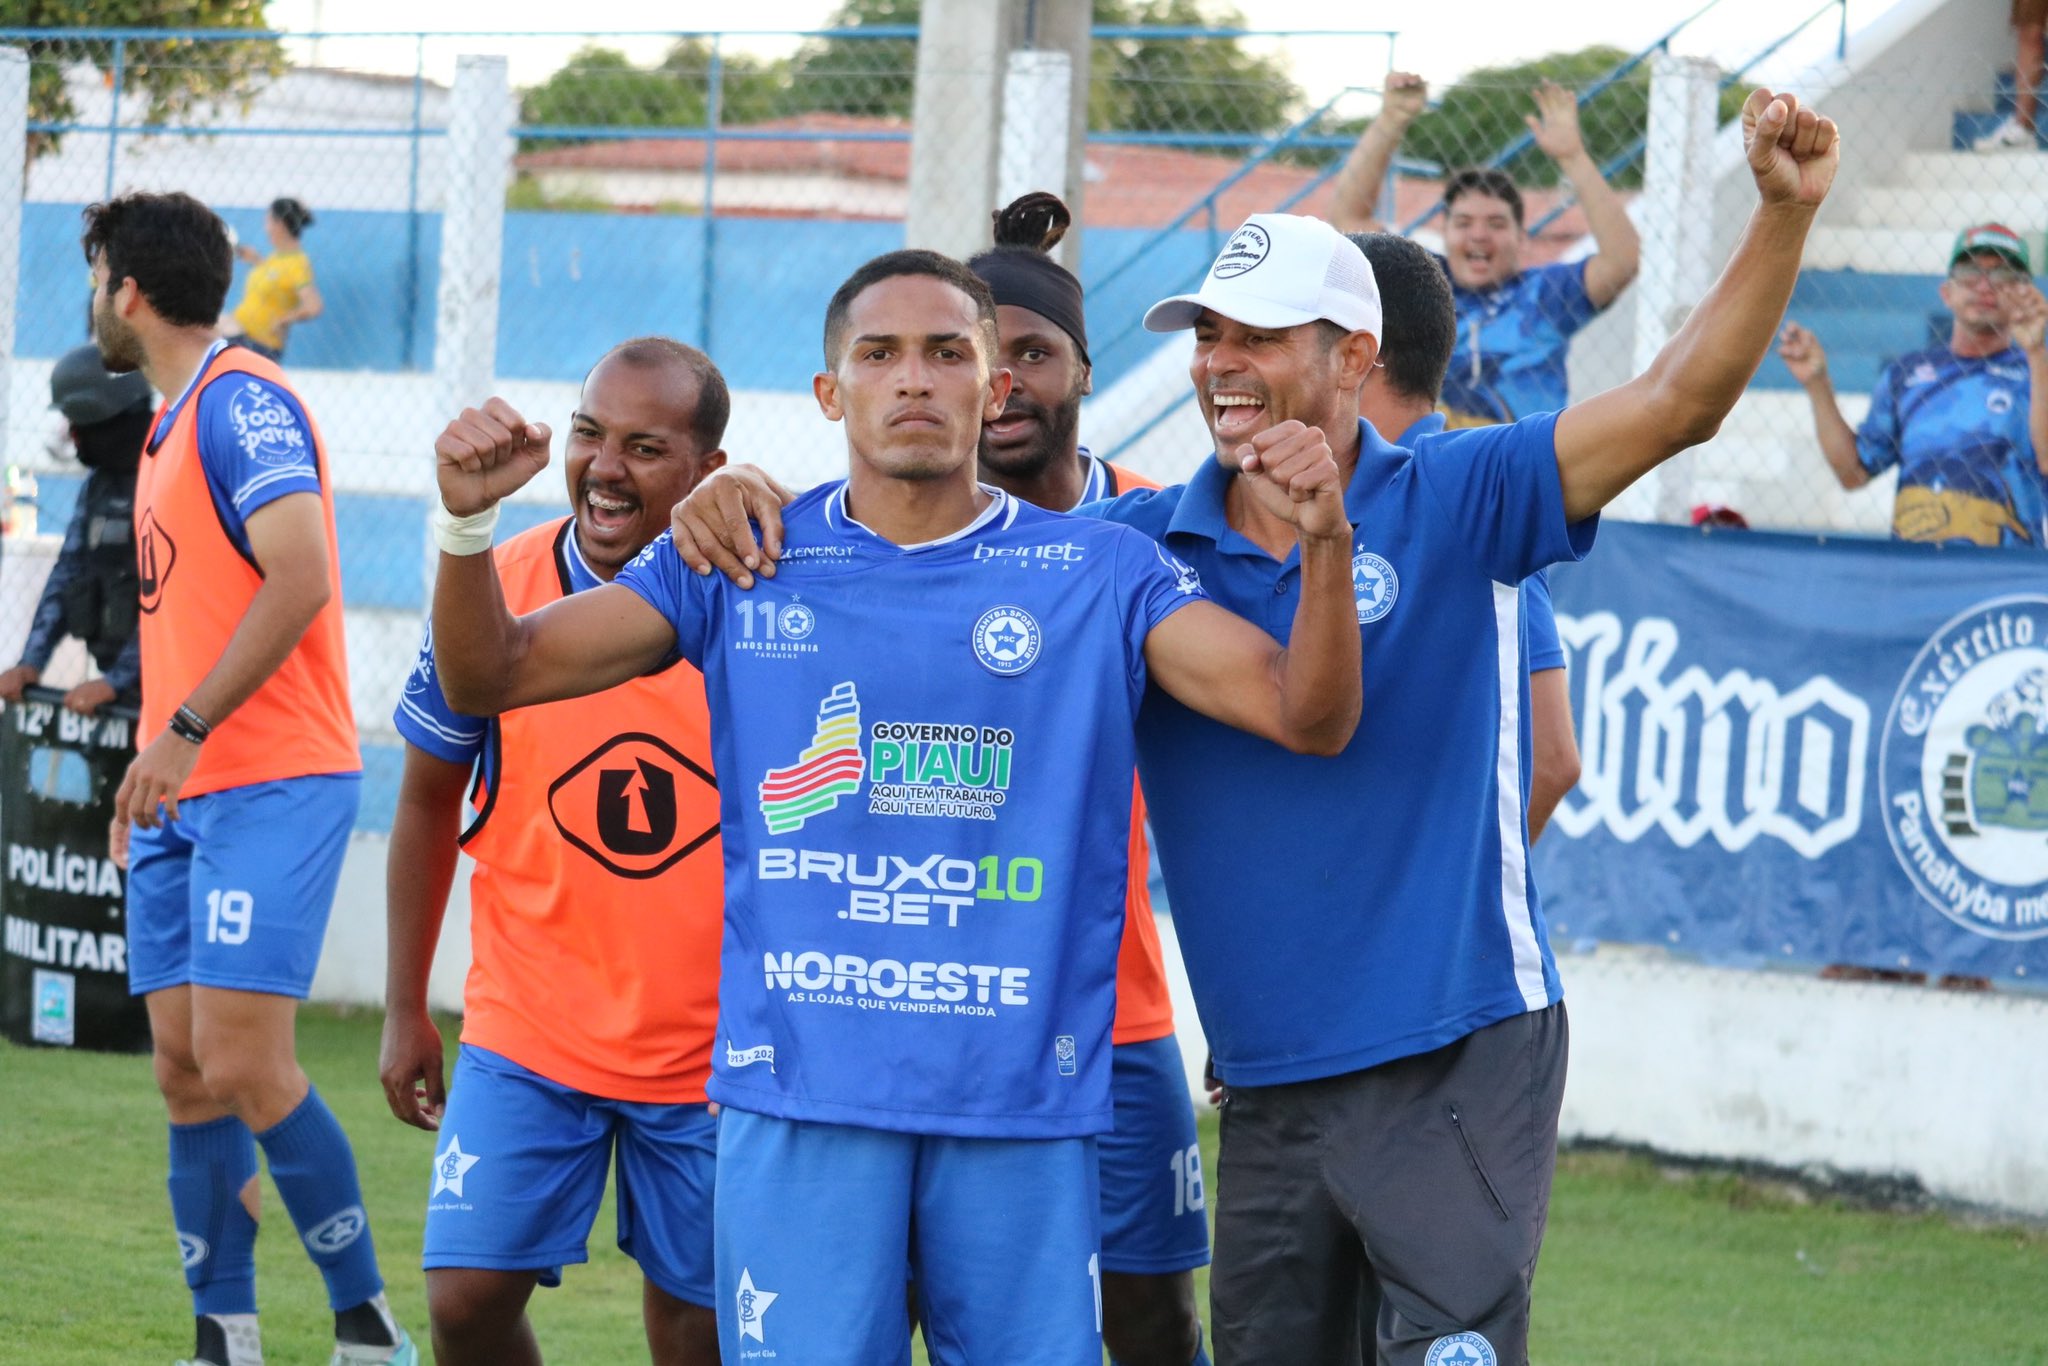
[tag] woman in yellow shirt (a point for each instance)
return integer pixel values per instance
(280, 291)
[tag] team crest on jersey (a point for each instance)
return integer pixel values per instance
(1998, 401)
(1461, 1349)
(155, 555)
(828, 768)
(265, 426)
(1964, 769)
(1374, 585)
(1007, 640)
(636, 805)
(797, 621)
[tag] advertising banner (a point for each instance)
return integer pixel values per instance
(1806, 750)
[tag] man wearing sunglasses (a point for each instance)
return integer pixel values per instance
(1966, 423)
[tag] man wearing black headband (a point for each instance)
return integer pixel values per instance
(1154, 1207)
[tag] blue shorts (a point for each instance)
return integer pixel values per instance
(1155, 1218)
(519, 1172)
(815, 1227)
(235, 893)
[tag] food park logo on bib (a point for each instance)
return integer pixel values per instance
(1964, 768)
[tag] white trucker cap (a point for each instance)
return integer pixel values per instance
(1281, 270)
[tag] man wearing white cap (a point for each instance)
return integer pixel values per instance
(1364, 941)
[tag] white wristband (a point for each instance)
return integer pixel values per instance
(469, 535)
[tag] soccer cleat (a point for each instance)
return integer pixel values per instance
(367, 1335)
(406, 1353)
(225, 1340)
(2009, 136)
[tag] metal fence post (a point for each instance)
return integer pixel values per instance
(479, 168)
(1033, 149)
(1678, 179)
(13, 188)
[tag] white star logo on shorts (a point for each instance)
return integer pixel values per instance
(450, 1166)
(753, 1306)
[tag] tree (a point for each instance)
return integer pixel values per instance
(1137, 84)
(1479, 115)
(172, 76)
(1157, 85)
(600, 86)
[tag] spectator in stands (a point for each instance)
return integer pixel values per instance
(1966, 423)
(2016, 133)
(1514, 325)
(91, 591)
(280, 290)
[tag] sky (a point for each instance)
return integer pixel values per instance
(1440, 41)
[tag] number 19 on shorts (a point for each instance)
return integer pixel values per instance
(227, 916)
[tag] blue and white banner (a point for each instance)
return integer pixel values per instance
(1815, 751)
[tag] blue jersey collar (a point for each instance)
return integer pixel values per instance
(1200, 511)
(1001, 511)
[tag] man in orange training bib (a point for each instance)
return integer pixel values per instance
(245, 790)
(595, 910)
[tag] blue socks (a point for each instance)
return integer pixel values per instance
(315, 1172)
(210, 1163)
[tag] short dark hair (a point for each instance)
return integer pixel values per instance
(1484, 180)
(910, 261)
(1419, 322)
(295, 216)
(714, 400)
(173, 247)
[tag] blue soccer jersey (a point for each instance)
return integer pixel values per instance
(1336, 913)
(1509, 361)
(915, 748)
(1956, 427)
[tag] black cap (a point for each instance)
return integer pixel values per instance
(86, 393)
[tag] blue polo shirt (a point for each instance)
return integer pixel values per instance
(1544, 650)
(1336, 913)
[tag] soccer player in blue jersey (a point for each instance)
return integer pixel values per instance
(1966, 424)
(918, 725)
(1514, 325)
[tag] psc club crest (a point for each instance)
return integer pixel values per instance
(635, 805)
(1964, 768)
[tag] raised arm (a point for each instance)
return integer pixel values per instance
(1613, 439)
(2028, 310)
(1305, 696)
(1807, 360)
(489, 660)
(1355, 193)
(1617, 248)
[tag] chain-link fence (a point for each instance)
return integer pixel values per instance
(717, 186)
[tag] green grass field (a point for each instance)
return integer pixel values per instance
(1642, 1266)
